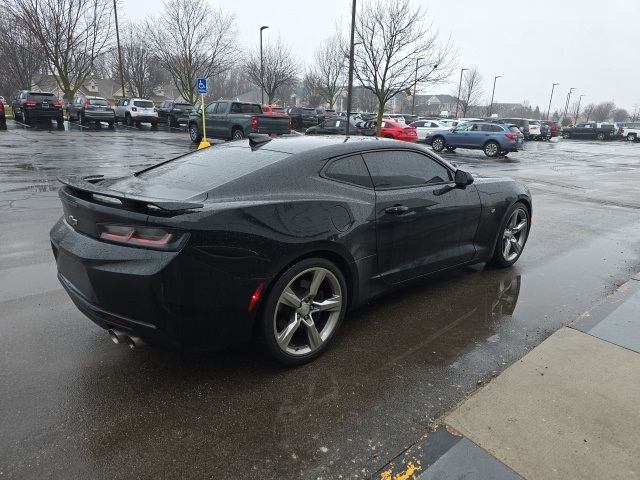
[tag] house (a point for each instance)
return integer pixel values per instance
(436, 104)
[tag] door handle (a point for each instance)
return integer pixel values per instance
(396, 210)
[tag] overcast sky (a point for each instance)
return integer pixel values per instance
(587, 44)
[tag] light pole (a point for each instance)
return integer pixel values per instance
(415, 83)
(551, 98)
(566, 106)
(578, 109)
(351, 51)
(459, 87)
(264, 27)
(115, 13)
(492, 93)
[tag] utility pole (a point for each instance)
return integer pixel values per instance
(264, 27)
(351, 52)
(578, 109)
(551, 98)
(115, 13)
(492, 93)
(459, 88)
(415, 84)
(566, 106)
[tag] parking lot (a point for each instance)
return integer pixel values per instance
(74, 405)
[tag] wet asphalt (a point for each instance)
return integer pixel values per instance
(74, 405)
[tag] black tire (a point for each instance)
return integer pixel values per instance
(194, 133)
(112, 124)
(498, 259)
(267, 319)
(389, 136)
(70, 116)
(15, 115)
(438, 143)
(128, 120)
(154, 125)
(491, 149)
(632, 137)
(60, 122)
(601, 136)
(171, 121)
(237, 134)
(25, 118)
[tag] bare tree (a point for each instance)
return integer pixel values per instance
(22, 60)
(312, 87)
(280, 68)
(587, 111)
(620, 115)
(230, 84)
(71, 33)
(190, 40)
(471, 91)
(141, 69)
(391, 36)
(603, 111)
(329, 69)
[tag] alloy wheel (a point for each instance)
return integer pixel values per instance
(491, 149)
(515, 234)
(308, 311)
(438, 144)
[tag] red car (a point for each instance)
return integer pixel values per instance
(3, 119)
(553, 127)
(397, 131)
(275, 110)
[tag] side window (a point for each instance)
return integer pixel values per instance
(222, 107)
(211, 108)
(476, 127)
(125, 103)
(235, 108)
(397, 169)
(350, 170)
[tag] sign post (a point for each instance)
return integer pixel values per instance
(201, 83)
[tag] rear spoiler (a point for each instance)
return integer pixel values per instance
(88, 185)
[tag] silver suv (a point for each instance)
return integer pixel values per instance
(134, 111)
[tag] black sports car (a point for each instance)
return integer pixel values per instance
(274, 238)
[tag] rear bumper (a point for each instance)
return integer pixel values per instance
(145, 118)
(171, 298)
(44, 113)
(100, 116)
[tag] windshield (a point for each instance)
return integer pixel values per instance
(98, 101)
(183, 105)
(143, 103)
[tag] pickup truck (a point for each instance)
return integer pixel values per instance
(231, 120)
(599, 131)
(631, 131)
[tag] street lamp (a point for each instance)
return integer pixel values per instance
(264, 27)
(566, 106)
(115, 11)
(351, 51)
(492, 93)
(578, 109)
(551, 98)
(459, 87)
(415, 83)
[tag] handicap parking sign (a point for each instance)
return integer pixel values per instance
(202, 85)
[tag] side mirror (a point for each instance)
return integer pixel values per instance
(463, 179)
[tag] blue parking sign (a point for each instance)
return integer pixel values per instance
(202, 85)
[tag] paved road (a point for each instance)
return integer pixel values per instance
(73, 405)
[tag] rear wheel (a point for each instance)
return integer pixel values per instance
(513, 236)
(128, 120)
(303, 311)
(631, 137)
(491, 149)
(438, 144)
(171, 121)
(60, 122)
(112, 124)
(194, 133)
(81, 119)
(601, 136)
(237, 134)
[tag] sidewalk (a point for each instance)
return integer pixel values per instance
(570, 409)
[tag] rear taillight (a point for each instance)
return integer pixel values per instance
(1, 107)
(30, 103)
(289, 124)
(510, 136)
(85, 104)
(56, 103)
(254, 122)
(148, 237)
(134, 109)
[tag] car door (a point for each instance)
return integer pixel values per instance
(209, 116)
(163, 111)
(459, 136)
(423, 223)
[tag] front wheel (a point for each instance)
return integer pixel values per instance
(513, 235)
(491, 149)
(194, 133)
(303, 311)
(438, 144)
(601, 136)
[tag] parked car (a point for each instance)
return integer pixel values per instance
(302, 117)
(396, 117)
(274, 110)
(590, 130)
(3, 118)
(325, 114)
(424, 126)
(450, 122)
(391, 129)
(274, 239)
(174, 113)
(631, 131)
(545, 131)
(334, 126)
(134, 111)
(2, 100)
(231, 120)
(529, 128)
(85, 108)
(554, 128)
(492, 138)
(29, 107)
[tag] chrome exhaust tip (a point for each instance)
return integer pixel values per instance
(133, 341)
(117, 336)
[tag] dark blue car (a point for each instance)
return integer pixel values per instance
(493, 139)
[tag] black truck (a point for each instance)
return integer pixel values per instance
(231, 120)
(591, 130)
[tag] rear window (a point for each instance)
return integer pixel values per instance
(308, 110)
(183, 105)
(98, 101)
(249, 108)
(42, 96)
(514, 129)
(210, 168)
(277, 110)
(143, 103)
